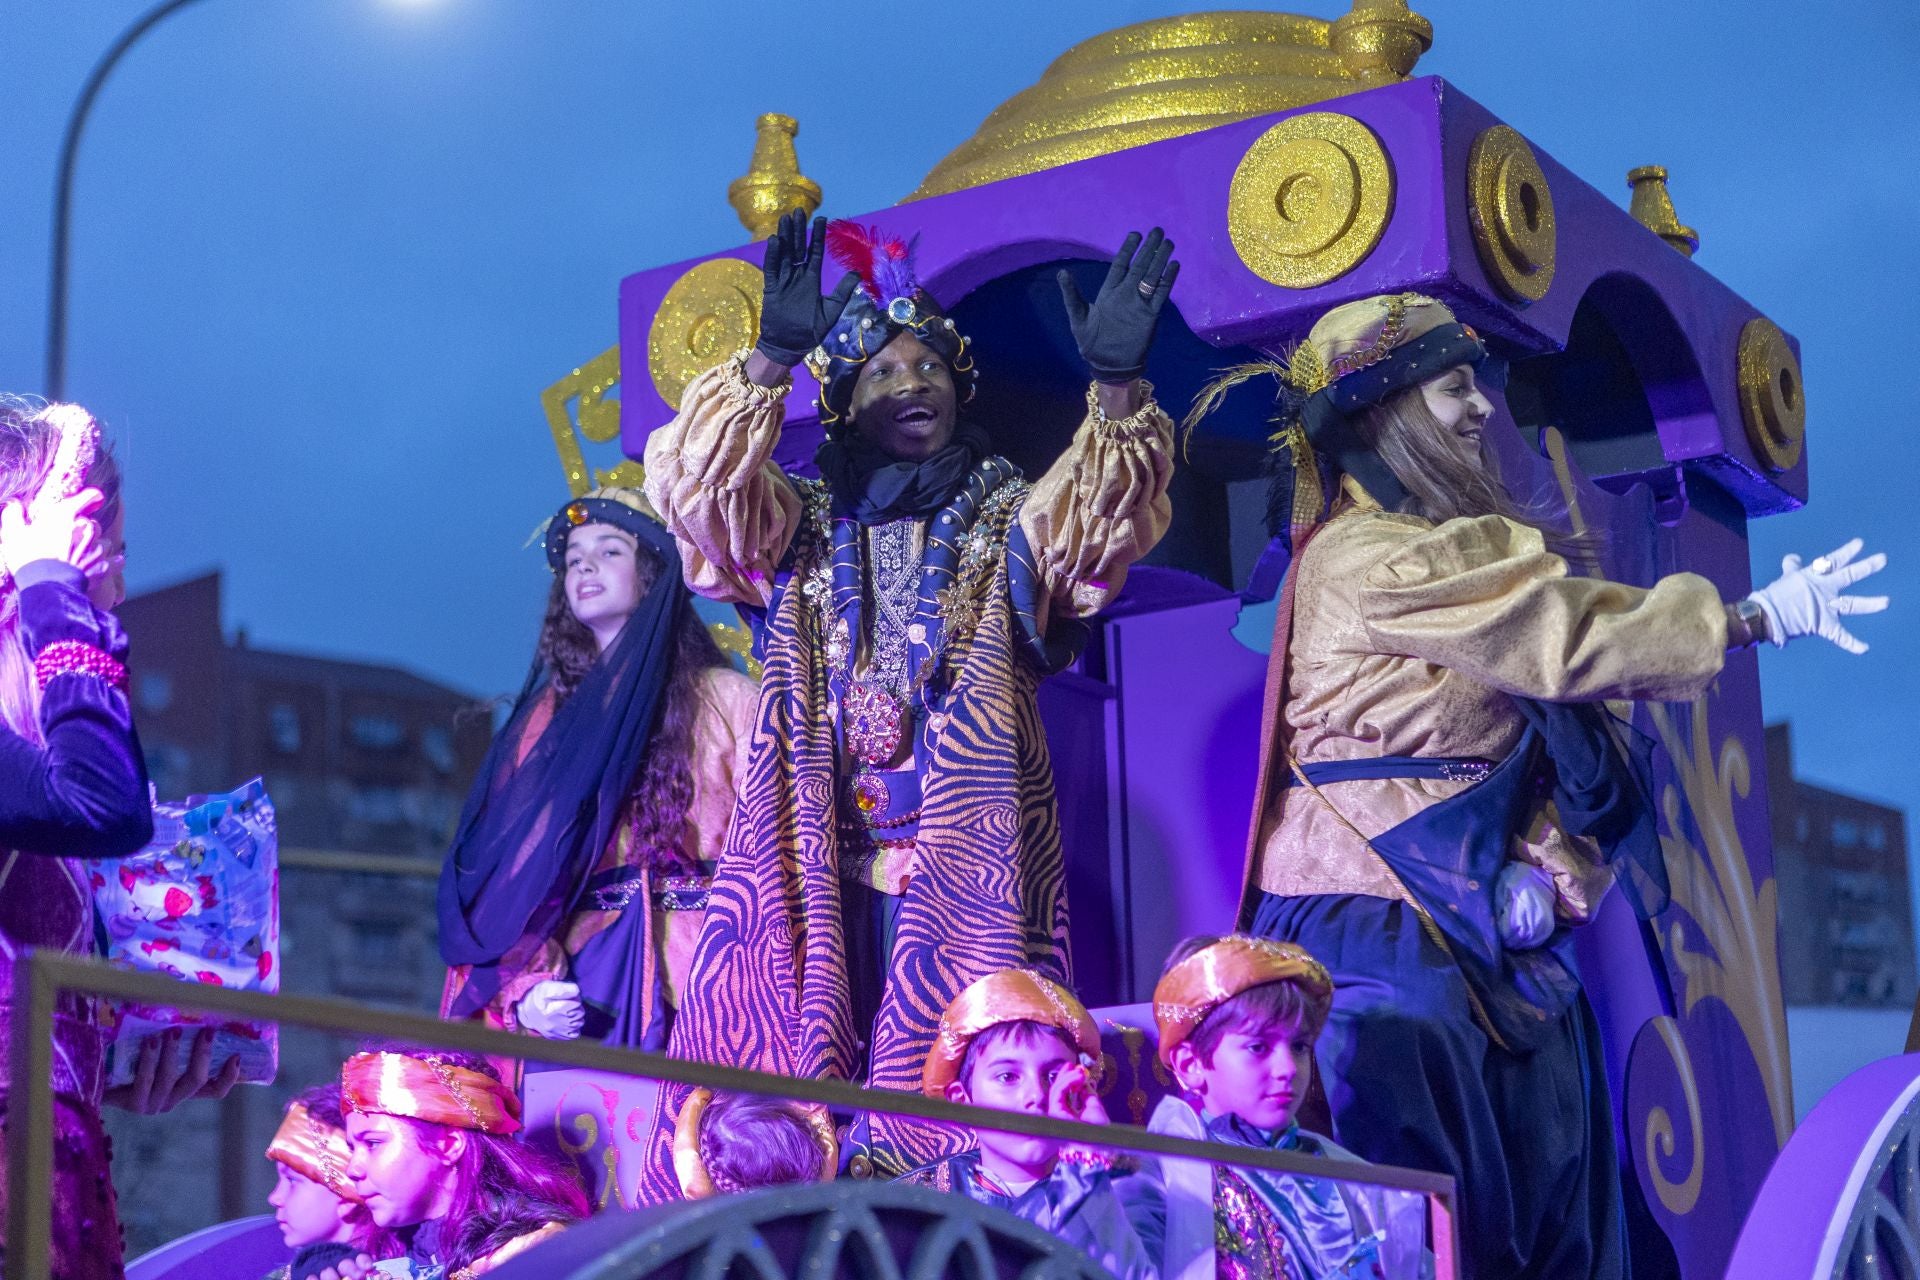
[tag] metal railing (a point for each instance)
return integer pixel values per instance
(42, 976)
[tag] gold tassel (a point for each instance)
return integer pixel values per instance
(1214, 392)
(1308, 499)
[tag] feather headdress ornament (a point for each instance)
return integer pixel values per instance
(884, 264)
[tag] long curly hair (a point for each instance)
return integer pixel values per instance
(662, 791)
(28, 441)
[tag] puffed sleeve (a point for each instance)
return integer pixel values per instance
(1484, 597)
(1101, 506)
(84, 793)
(711, 477)
(721, 740)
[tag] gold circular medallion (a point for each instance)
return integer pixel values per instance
(1773, 400)
(710, 312)
(1511, 210)
(1310, 199)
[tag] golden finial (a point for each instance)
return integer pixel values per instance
(773, 182)
(1652, 207)
(1380, 40)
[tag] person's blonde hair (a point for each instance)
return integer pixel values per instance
(28, 440)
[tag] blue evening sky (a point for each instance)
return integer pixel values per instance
(328, 252)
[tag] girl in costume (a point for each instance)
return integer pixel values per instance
(314, 1204)
(897, 836)
(578, 879)
(1441, 791)
(72, 785)
(434, 1159)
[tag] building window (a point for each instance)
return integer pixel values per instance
(378, 806)
(1846, 833)
(436, 741)
(154, 691)
(283, 728)
(376, 732)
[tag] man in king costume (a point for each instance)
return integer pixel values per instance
(896, 836)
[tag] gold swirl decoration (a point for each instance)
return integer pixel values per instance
(1773, 403)
(1678, 1197)
(1713, 884)
(709, 313)
(595, 418)
(1511, 211)
(1309, 199)
(1173, 76)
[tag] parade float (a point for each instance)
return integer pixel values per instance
(1300, 163)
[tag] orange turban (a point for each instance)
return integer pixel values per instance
(1012, 995)
(1220, 971)
(430, 1089)
(317, 1151)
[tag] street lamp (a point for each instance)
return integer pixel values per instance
(56, 379)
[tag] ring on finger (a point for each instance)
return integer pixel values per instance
(1147, 287)
(1821, 565)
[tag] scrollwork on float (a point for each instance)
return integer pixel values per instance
(1737, 920)
(1677, 1197)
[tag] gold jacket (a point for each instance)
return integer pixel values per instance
(1100, 507)
(1408, 638)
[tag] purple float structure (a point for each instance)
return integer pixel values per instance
(1661, 405)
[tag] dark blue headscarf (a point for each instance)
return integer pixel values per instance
(533, 829)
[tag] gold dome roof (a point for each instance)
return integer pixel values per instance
(1173, 76)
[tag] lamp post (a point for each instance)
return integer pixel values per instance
(56, 379)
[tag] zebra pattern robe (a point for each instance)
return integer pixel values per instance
(769, 986)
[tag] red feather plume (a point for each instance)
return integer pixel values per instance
(884, 263)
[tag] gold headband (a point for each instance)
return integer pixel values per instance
(317, 1151)
(1012, 995)
(1222, 970)
(690, 1166)
(427, 1088)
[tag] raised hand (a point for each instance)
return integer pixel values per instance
(794, 317)
(1115, 332)
(1809, 600)
(51, 529)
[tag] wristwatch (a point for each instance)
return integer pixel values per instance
(1746, 624)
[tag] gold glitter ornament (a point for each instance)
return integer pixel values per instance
(1511, 212)
(711, 311)
(773, 183)
(1652, 208)
(1310, 199)
(1773, 404)
(1168, 77)
(598, 418)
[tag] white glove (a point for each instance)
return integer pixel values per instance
(1808, 601)
(553, 1009)
(1523, 898)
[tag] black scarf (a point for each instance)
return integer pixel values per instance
(874, 487)
(533, 829)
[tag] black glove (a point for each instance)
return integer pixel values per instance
(1116, 331)
(793, 315)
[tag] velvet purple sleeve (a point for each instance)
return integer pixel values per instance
(84, 794)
